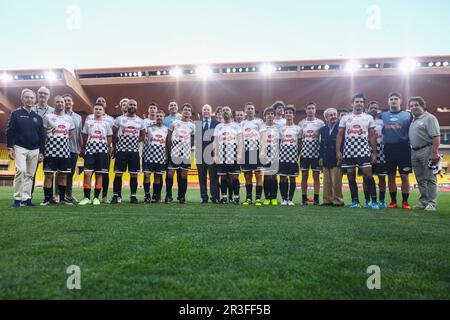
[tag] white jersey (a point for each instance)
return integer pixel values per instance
(227, 135)
(289, 138)
(182, 137)
(311, 137)
(272, 143)
(155, 139)
(98, 132)
(279, 122)
(252, 130)
(148, 123)
(356, 144)
(129, 131)
(57, 141)
(109, 120)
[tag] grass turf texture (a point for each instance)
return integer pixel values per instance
(222, 252)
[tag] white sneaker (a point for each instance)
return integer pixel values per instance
(419, 206)
(105, 200)
(291, 203)
(284, 203)
(430, 207)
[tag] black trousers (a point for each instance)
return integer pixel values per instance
(203, 171)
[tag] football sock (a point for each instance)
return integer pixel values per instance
(393, 196)
(105, 185)
(274, 188)
(284, 189)
(223, 186)
(48, 192)
(97, 191)
(292, 188)
(304, 198)
(133, 186)
(267, 187)
(372, 189)
(353, 189)
(405, 197)
(87, 191)
(147, 188)
(169, 185)
(259, 190)
(382, 195)
(62, 193)
(249, 189)
(117, 188)
(236, 187)
(316, 198)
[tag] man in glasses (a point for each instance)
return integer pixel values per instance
(110, 121)
(42, 109)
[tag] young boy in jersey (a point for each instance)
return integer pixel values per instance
(155, 160)
(290, 144)
(128, 131)
(310, 152)
(254, 132)
(59, 129)
(228, 153)
(149, 122)
(97, 137)
(270, 160)
(179, 143)
(359, 149)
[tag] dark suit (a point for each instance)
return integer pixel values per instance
(332, 173)
(204, 163)
(328, 146)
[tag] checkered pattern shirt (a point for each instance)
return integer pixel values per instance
(97, 132)
(227, 136)
(252, 130)
(356, 144)
(57, 141)
(156, 142)
(182, 132)
(289, 137)
(311, 137)
(273, 142)
(129, 132)
(148, 123)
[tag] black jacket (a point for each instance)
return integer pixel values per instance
(328, 146)
(25, 129)
(206, 140)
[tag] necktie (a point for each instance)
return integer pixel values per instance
(206, 127)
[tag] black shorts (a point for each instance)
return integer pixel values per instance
(179, 164)
(224, 169)
(379, 169)
(362, 162)
(398, 156)
(152, 167)
(309, 163)
(289, 169)
(271, 168)
(252, 162)
(126, 159)
(97, 162)
(52, 165)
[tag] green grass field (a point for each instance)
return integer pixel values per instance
(222, 252)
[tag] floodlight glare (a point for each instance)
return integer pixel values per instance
(176, 72)
(50, 76)
(408, 65)
(352, 66)
(203, 71)
(266, 68)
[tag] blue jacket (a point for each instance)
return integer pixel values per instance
(25, 129)
(328, 146)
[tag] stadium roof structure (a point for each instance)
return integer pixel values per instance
(330, 83)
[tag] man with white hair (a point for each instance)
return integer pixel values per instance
(42, 109)
(332, 173)
(25, 134)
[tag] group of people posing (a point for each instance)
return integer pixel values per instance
(273, 149)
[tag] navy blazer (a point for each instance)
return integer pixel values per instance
(328, 146)
(212, 126)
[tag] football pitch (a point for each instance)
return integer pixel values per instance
(201, 252)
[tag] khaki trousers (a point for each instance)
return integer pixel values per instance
(26, 163)
(426, 180)
(332, 186)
